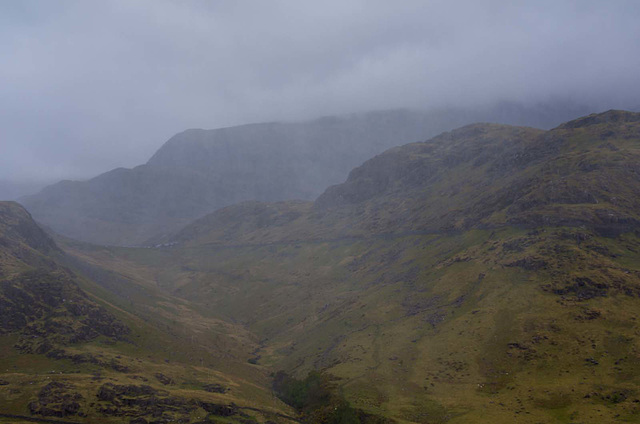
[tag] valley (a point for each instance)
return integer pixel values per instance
(490, 274)
(347, 212)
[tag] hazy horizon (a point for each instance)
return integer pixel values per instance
(87, 87)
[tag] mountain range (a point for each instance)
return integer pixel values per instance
(199, 171)
(488, 274)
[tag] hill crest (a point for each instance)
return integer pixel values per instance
(477, 176)
(199, 171)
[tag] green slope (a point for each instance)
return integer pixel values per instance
(113, 350)
(490, 274)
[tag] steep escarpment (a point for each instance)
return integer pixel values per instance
(48, 309)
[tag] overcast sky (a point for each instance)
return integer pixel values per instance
(86, 86)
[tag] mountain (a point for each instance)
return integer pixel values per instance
(199, 171)
(477, 176)
(110, 350)
(38, 299)
(489, 274)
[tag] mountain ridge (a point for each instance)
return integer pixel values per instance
(490, 274)
(198, 171)
(478, 181)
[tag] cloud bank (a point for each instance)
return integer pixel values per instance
(89, 86)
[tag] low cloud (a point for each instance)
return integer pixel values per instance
(88, 86)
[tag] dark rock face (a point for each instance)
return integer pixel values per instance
(218, 409)
(215, 388)
(48, 308)
(109, 392)
(529, 263)
(39, 299)
(164, 379)
(56, 400)
(584, 288)
(157, 405)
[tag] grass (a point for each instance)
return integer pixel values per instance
(503, 285)
(469, 337)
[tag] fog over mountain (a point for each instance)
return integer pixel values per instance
(294, 212)
(86, 87)
(488, 274)
(198, 171)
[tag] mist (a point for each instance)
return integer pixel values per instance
(89, 86)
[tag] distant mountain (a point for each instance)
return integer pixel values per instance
(488, 275)
(199, 171)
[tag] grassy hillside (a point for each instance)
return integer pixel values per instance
(111, 349)
(490, 274)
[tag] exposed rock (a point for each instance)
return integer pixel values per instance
(55, 400)
(164, 379)
(215, 388)
(584, 288)
(48, 308)
(220, 409)
(529, 263)
(157, 405)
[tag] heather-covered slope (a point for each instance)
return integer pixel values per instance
(491, 274)
(39, 300)
(113, 350)
(199, 171)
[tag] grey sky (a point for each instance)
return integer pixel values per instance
(86, 86)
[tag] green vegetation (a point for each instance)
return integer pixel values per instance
(489, 275)
(315, 398)
(101, 350)
(305, 395)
